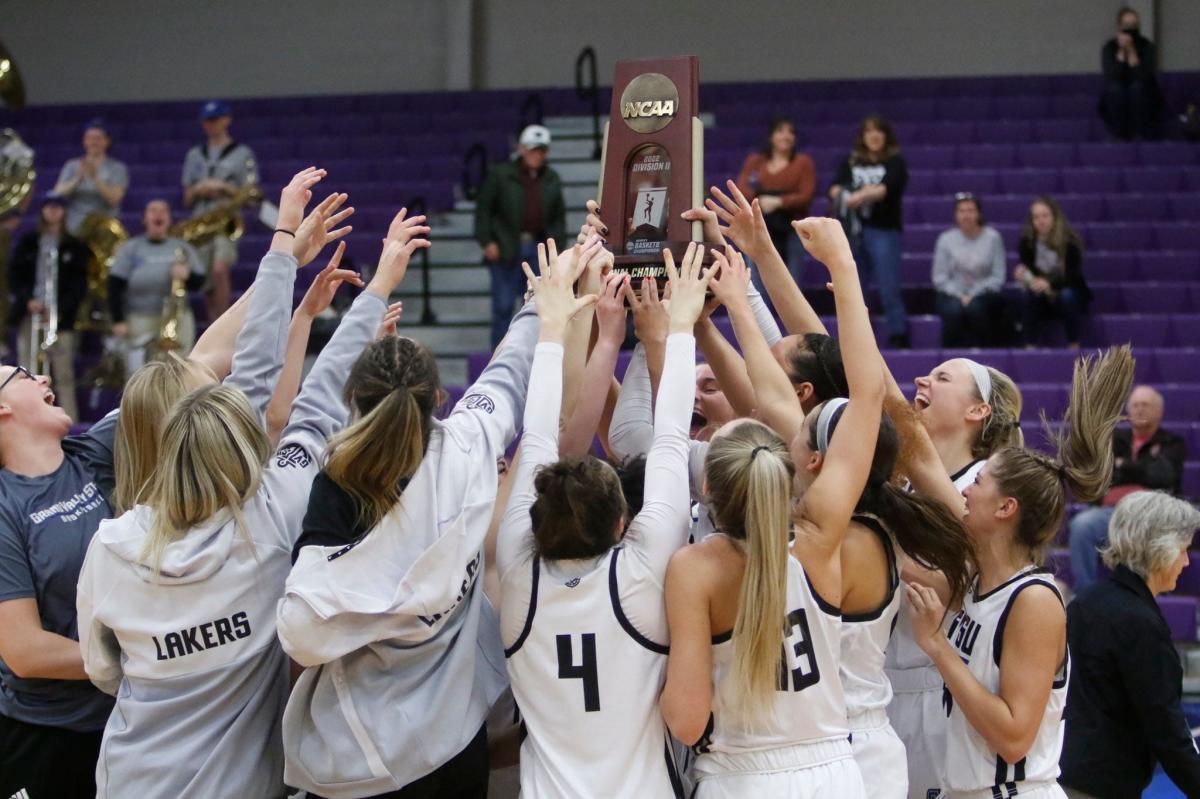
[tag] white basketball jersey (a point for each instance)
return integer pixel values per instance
(977, 633)
(587, 683)
(809, 704)
(865, 639)
(904, 652)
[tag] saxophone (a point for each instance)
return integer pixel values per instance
(43, 334)
(223, 220)
(175, 305)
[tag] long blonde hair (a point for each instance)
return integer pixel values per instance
(149, 395)
(1002, 427)
(1083, 461)
(213, 454)
(749, 474)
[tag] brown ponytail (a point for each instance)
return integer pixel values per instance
(578, 507)
(749, 474)
(394, 389)
(1084, 451)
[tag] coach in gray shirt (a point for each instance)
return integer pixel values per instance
(968, 273)
(95, 183)
(213, 171)
(140, 280)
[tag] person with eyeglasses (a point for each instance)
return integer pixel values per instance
(968, 273)
(53, 494)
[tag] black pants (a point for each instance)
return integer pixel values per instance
(1131, 110)
(979, 323)
(47, 762)
(464, 776)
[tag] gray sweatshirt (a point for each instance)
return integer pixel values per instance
(191, 652)
(966, 266)
(402, 647)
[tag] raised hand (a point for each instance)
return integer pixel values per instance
(295, 196)
(689, 284)
(401, 242)
(325, 285)
(321, 227)
(388, 326)
(592, 223)
(650, 320)
(610, 310)
(713, 233)
(826, 241)
(554, 293)
(746, 226)
(594, 263)
(730, 285)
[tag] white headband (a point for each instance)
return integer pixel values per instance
(983, 379)
(825, 421)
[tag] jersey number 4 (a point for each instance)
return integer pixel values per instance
(798, 638)
(586, 670)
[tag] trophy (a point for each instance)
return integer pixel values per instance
(652, 166)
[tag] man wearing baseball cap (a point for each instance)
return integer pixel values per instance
(520, 204)
(214, 171)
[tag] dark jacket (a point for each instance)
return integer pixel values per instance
(500, 208)
(1123, 705)
(1070, 277)
(73, 257)
(1146, 70)
(1158, 465)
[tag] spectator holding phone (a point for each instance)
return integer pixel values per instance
(1131, 104)
(1051, 270)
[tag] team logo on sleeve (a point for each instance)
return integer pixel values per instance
(480, 402)
(292, 455)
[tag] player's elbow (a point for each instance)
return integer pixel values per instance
(686, 720)
(1015, 748)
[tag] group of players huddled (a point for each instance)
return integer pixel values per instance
(344, 599)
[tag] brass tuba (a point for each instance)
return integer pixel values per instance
(222, 220)
(102, 235)
(16, 171)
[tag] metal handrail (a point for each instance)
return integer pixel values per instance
(532, 111)
(471, 182)
(589, 90)
(417, 206)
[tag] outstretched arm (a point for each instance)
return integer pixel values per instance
(597, 376)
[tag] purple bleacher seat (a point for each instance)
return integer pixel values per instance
(1043, 366)
(987, 156)
(976, 181)
(1082, 208)
(1191, 178)
(1048, 397)
(1181, 365)
(1090, 180)
(1140, 330)
(1153, 179)
(1191, 480)
(1181, 402)
(1180, 235)
(1074, 106)
(906, 365)
(1022, 106)
(1004, 131)
(923, 182)
(1183, 265)
(1189, 578)
(1115, 236)
(1030, 182)
(1062, 130)
(964, 107)
(931, 156)
(945, 133)
(921, 238)
(1167, 153)
(1045, 155)
(1152, 297)
(1136, 207)
(1180, 613)
(1106, 154)
(1185, 207)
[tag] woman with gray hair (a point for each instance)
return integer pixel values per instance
(1123, 705)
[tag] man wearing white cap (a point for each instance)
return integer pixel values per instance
(520, 204)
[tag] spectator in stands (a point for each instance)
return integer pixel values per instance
(783, 180)
(1145, 457)
(867, 192)
(29, 270)
(95, 183)
(213, 172)
(141, 279)
(1132, 103)
(520, 204)
(968, 273)
(1051, 270)
(1123, 704)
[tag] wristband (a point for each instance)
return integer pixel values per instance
(288, 232)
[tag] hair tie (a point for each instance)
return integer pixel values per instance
(754, 452)
(1061, 470)
(983, 379)
(825, 421)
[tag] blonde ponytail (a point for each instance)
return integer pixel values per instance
(749, 475)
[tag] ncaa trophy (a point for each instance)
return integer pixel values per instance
(652, 166)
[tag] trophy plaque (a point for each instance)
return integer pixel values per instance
(652, 166)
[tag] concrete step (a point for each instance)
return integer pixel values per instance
(450, 309)
(578, 172)
(449, 278)
(449, 340)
